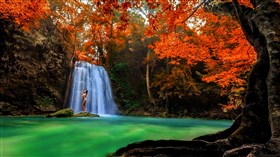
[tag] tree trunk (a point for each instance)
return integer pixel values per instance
(254, 126)
(265, 24)
(167, 97)
(71, 66)
(151, 98)
(269, 24)
(267, 19)
(101, 56)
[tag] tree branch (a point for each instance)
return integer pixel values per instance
(195, 9)
(245, 25)
(239, 12)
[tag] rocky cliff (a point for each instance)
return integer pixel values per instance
(33, 70)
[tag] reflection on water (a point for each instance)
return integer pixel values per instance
(93, 137)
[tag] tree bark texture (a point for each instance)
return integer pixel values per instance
(267, 20)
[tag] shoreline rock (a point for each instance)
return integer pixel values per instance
(85, 114)
(68, 112)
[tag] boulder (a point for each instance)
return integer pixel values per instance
(85, 114)
(67, 112)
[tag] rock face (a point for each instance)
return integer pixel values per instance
(33, 70)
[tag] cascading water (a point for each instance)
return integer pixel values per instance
(95, 79)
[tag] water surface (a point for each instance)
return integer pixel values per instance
(93, 137)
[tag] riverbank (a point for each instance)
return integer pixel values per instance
(215, 113)
(9, 110)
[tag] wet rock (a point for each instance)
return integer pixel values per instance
(85, 114)
(67, 112)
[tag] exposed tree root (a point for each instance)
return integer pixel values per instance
(270, 149)
(220, 148)
(173, 148)
(222, 134)
(227, 143)
(241, 151)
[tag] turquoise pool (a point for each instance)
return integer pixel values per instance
(93, 137)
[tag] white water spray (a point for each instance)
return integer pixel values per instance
(95, 79)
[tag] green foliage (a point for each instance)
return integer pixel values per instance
(121, 67)
(118, 76)
(132, 105)
(121, 78)
(44, 101)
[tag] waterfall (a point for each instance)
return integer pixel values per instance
(95, 79)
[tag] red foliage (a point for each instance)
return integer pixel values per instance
(228, 107)
(219, 43)
(25, 13)
(189, 34)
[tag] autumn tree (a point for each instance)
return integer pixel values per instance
(259, 21)
(201, 41)
(69, 18)
(128, 63)
(21, 14)
(150, 59)
(26, 14)
(90, 31)
(30, 45)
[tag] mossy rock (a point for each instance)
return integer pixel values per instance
(67, 112)
(85, 114)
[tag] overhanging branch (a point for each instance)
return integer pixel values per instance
(240, 12)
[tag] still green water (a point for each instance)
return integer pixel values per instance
(93, 137)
